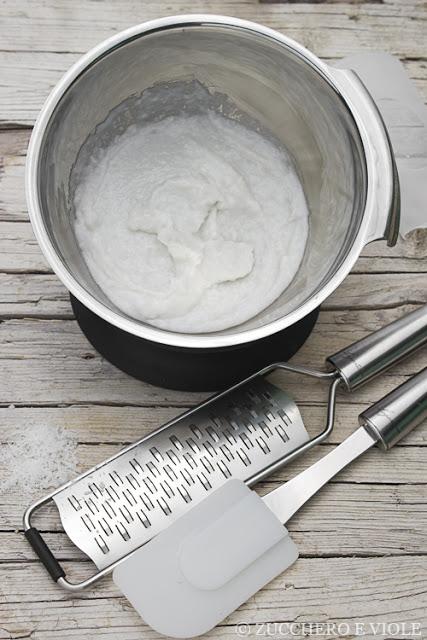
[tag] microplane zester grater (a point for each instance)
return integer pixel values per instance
(246, 432)
(127, 500)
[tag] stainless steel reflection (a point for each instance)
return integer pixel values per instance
(363, 360)
(325, 118)
(394, 416)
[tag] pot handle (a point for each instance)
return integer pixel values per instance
(383, 197)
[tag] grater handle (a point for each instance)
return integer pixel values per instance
(40, 547)
(51, 564)
(361, 361)
(398, 413)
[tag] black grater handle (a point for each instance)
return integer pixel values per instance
(40, 547)
(361, 361)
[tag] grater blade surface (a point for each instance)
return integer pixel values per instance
(125, 501)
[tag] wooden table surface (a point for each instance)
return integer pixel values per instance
(363, 540)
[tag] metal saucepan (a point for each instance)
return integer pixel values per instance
(325, 118)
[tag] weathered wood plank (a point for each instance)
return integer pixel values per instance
(336, 327)
(388, 289)
(332, 589)
(348, 517)
(20, 253)
(13, 147)
(44, 296)
(314, 2)
(23, 295)
(29, 78)
(50, 362)
(408, 255)
(49, 40)
(344, 520)
(61, 26)
(98, 425)
(404, 465)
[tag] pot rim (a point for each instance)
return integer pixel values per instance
(379, 171)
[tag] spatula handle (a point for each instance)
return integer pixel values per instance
(364, 359)
(395, 415)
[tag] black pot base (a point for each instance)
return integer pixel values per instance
(189, 369)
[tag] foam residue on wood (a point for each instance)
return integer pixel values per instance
(39, 458)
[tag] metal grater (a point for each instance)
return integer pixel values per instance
(121, 504)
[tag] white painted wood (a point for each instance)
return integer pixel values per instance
(380, 500)
(30, 77)
(122, 425)
(403, 465)
(58, 25)
(43, 40)
(409, 254)
(20, 253)
(44, 296)
(13, 146)
(330, 589)
(50, 362)
(333, 525)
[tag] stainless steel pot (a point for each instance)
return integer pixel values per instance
(324, 116)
